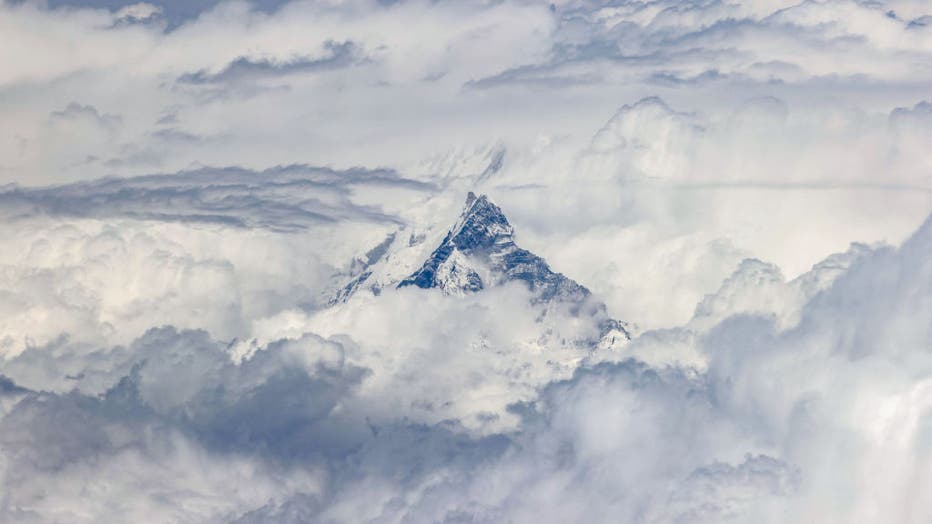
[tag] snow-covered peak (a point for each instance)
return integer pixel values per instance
(481, 224)
(479, 251)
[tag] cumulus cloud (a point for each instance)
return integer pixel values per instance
(767, 432)
(207, 209)
(176, 407)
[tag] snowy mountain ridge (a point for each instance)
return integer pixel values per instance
(482, 241)
(479, 252)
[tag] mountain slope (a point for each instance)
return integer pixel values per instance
(480, 251)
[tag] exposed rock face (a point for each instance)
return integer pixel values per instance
(479, 252)
(482, 243)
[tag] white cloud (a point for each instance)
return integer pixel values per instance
(744, 181)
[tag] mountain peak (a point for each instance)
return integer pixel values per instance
(479, 250)
(481, 225)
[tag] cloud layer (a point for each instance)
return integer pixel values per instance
(186, 188)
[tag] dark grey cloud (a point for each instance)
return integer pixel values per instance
(175, 12)
(186, 380)
(338, 55)
(919, 114)
(285, 198)
(664, 48)
(8, 387)
(920, 23)
(677, 80)
(533, 76)
(75, 111)
(176, 135)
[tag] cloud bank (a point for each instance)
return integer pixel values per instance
(207, 208)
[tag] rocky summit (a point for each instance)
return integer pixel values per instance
(480, 251)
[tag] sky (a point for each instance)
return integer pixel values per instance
(185, 188)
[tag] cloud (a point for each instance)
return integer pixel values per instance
(76, 112)
(687, 190)
(490, 431)
(113, 257)
(777, 423)
(229, 196)
(138, 12)
(179, 405)
(595, 58)
(338, 55)
(186, 186)
(177, 12)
